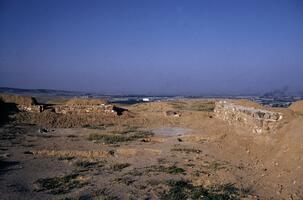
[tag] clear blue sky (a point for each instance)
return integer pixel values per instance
(152, 47)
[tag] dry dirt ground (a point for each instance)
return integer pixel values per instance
(145, 154)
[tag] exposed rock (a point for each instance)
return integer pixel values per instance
(258, 120)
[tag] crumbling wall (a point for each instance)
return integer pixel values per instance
(82, 109)
(83, 106)
(258, 120)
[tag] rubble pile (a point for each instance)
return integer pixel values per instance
(258, 120)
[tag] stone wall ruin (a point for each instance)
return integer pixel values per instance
(82, 109)
(257, 120)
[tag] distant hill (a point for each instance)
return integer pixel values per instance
(40, 92)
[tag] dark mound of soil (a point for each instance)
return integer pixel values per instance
(19, 100)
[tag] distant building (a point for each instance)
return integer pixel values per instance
(145, 99)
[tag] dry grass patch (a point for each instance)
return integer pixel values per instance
(204, 106)
(169, 170)
(119, 166)
(187, 150)
(120, 135)
(61, 184)
(186, 190)
(86, 102)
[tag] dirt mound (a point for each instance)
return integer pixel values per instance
(259, 120)
(57, 120)
(247, 103)
(20, 100)
(86, 102)
(297, 107)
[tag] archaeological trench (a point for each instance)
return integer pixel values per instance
(92, 149)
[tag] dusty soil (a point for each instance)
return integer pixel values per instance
(77, 101)
(297, 107)
(145, 154)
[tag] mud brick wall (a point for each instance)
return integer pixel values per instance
(64, 109)
(257, 120)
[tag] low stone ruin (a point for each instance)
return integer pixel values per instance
(258, 120)
(73, 106)
(82, 109)
(82, 106)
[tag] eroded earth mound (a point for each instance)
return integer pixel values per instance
(297, 107)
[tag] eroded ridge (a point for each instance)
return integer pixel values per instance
(260, 121)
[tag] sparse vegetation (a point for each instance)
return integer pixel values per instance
(185, 190)
(117, 137)
(98, 126)
(127, 180)
(61, 184)
(85, 102)
(205, 106)
(119, 166)
(66, 158)
(102, 194)
(187, 150)
(215, 165)
(170, 170)
(85, 164)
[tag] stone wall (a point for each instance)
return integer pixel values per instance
(82, 109)
(257, 120)
(32, 108)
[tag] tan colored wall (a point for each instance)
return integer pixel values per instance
(64, 109)
(257, 120)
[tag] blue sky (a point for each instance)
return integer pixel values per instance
(152, 47)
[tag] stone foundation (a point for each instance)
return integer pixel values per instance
(257, 120)
(32, 108)
(81, 109)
